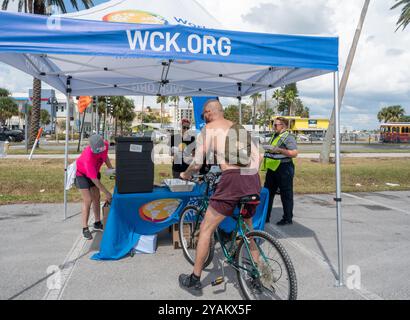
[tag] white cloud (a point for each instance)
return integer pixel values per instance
(308, 17)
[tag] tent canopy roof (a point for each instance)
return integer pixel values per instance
(106, 58)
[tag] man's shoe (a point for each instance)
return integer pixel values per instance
(190, 284)
(98, 226)
(87, 234)
(284, 222)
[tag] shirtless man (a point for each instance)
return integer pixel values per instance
(236, 182)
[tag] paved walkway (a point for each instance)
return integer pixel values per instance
(376, 233)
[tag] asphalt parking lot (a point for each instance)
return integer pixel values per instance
(37, 246)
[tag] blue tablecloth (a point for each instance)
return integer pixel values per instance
(133, 215)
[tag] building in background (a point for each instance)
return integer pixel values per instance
(310, 126)
(56, 107)
(177, 114)
(17, 122)
(48, 102)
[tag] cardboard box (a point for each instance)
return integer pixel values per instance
(146, 244)
(187, 230)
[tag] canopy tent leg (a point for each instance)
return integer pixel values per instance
(264, 116)
(338, 181)
(67, 127)
(240, 109)
(240, 101)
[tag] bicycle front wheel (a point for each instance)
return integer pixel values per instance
(189, 227)
(271, 276)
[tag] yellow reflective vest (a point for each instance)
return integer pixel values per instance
(269, 163)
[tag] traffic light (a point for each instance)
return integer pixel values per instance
(110, 108)
(94, 103)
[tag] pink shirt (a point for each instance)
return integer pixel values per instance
(89, 163)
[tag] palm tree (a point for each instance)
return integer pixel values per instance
(126, 114)
(162, 100)
(290, 98)
(175, 100)
(45, 117)
(286, 98)
(40, 7)
(277, 95)
(4, 92)
(391, 114)
(255, 97)
(404, 19)
(101, 107)
(8, 106)
(188, 100)
(122, 111)
(383, 115)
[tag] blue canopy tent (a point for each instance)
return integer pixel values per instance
(82, 57)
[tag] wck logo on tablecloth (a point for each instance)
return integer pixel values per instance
(159, 210)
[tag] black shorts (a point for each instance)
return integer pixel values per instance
(83, 182)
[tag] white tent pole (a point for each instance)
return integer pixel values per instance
(338, 198)
(264, 117)
(92, 116)
(240, 109)
(239, 101)
(67, 126)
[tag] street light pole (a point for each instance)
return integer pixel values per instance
(26, 126)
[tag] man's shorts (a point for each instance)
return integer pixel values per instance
(231, 188)
(83, 182)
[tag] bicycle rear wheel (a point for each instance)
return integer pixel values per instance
(275, 277)
(189, 225)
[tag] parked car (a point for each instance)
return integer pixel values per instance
(265, 138)
(315, 137)
(303, 138)
(3, 136)
(159, 136)
(12, 135)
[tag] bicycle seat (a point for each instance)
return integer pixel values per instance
(252, 199)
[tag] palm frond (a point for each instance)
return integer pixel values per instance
(404, 19)
(4, 4)
(20, 5)
(87, 3)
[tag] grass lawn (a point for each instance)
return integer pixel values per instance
(41, 180)
(39, 151)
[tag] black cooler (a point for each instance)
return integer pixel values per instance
(134, 166)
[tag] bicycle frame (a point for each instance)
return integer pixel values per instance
(241, 229)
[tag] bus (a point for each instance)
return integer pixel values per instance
(395, 132)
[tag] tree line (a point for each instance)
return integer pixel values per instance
(258, 112)
(392, 114)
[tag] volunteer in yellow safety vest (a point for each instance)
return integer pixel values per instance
(278, 162)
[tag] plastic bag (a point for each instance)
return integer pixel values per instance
(71, 174)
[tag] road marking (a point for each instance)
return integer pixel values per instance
(364, 293)
(377, 203)
(67, 269)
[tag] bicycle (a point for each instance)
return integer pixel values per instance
(258, 280)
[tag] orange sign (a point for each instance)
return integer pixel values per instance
(83, 103)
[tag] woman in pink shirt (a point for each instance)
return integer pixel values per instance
(88, 181)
